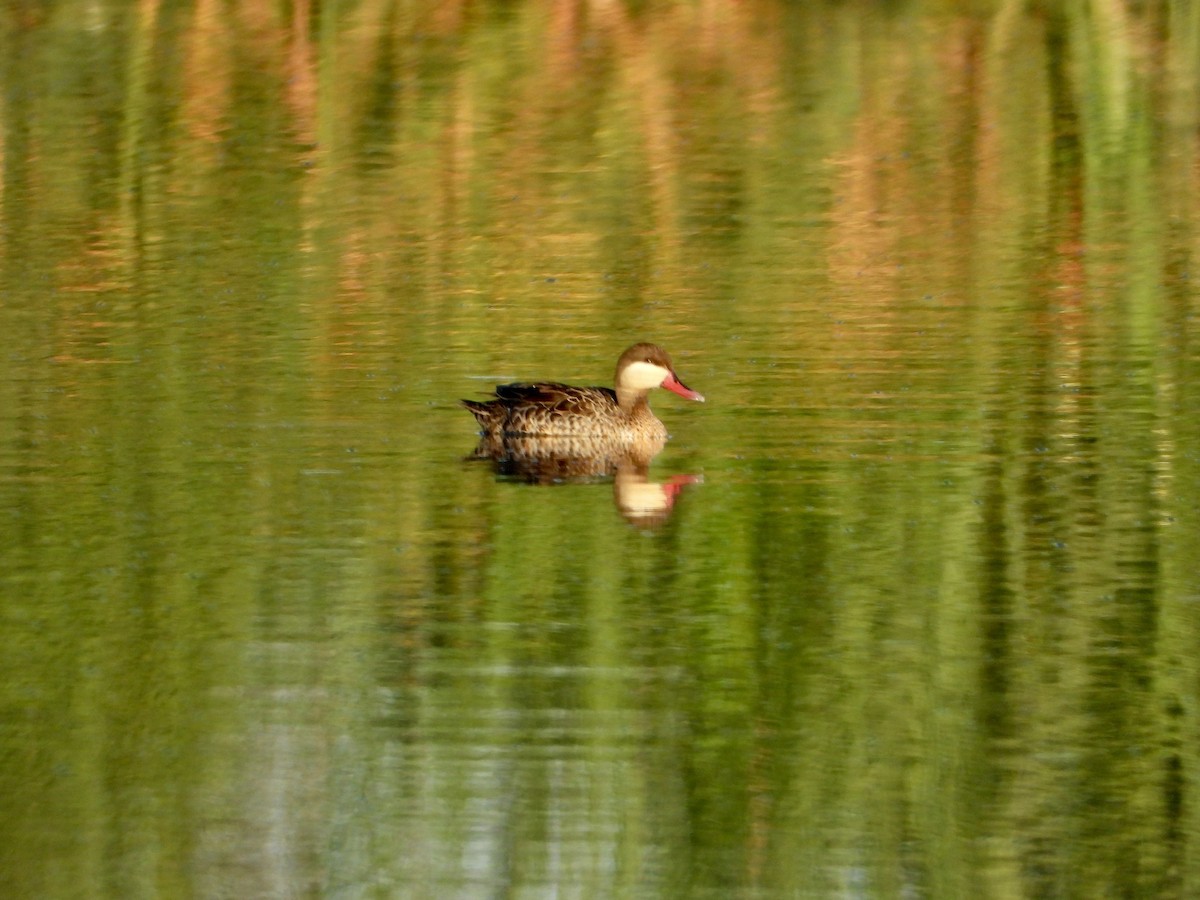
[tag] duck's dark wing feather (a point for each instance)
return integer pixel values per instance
(563, 397)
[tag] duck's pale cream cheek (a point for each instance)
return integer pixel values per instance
(643, 375)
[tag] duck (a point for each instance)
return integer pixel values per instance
(621, 413)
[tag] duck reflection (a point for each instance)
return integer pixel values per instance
(550, 459)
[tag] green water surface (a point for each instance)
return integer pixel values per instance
(923, 619)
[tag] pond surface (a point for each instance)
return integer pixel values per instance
(909, 608)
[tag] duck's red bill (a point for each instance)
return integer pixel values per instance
(671, 383)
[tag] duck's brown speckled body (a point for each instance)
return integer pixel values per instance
(552, 409)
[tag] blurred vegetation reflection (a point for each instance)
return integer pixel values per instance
(928, 628)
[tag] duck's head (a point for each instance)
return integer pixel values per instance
(646, 366)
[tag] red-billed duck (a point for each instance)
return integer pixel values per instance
(549, 408)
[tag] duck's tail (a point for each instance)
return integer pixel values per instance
(483, 411)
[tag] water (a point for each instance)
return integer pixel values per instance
(915, 616)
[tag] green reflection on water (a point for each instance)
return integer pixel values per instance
(924, 628)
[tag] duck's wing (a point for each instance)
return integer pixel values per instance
(564, 398)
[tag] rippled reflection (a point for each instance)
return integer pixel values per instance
(928, 629)
(557, 460)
